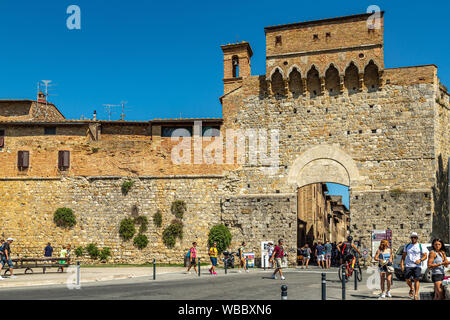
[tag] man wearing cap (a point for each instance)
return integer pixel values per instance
(414, 255)
(6, 256)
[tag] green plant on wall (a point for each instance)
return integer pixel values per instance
(157, 219)
(178, 208)
(142, 221)
(127, 229)
(172, 232)
(396, 192)
(126, 186)
(141, 241)
(105, 254)
(93, 251)
(79, 252)
(64, 218)
(220, 234)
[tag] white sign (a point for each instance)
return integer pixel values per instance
(265, 253)
(365, 253)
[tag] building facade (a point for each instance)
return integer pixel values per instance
(331, 108)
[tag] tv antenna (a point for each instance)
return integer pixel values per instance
(46, 85)
(122, 115)
(109, 107)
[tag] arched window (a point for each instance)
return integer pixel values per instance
(295, 82)
(332, 81)
(277, 83)
(371, 77)
(235, 61)
(351, 80)
(313, 82)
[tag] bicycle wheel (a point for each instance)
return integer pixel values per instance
(359, 273)
(340, 272)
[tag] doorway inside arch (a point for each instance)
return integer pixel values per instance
(323, 214)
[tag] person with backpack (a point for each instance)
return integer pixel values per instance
(5, 253)
(192, 255)
(306, 252)
(437, 261)
(412, 258)
(347, 250)
(1, 256)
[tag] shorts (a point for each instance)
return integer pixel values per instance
(213, 261)
(306, 257)
(328, 256)
(7, 261)
(193, 263)
(414, 273)
(349, 257)
(320, 257)
(437, 277)
(278, 262)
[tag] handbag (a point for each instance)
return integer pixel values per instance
(390, 269)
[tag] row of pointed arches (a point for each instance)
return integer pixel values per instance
(332, 82)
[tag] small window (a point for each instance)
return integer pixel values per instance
(328, 34)
(176, 132)
(278, 40)
(2, 138)
(23, 160)
(213, 131)
(50, 131)
(316, 37)
(63, 160)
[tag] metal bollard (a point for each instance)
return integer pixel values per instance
(356, 279)
(78, 273)
(154, 269)
(199, 267)
(324, 286)
(284, 292)
(343, 282)
(264, 261)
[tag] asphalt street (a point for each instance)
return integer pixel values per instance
(256, 285)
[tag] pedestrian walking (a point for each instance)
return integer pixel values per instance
(192, 255)
(48, 250)
(213, 253)
(278, 255)
(328, 249)
(385, 257)
(306, 252)
(320, 255)
(5, 253)
(437, 261)
(241, 252)
(412, 258)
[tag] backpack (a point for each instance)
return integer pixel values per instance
(2, 248)
(189, 253)
(346, 249)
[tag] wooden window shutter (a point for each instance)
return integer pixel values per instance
(63, 160)
(23, 159)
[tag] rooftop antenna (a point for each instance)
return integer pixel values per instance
(46, 84)
(123, 103)
(109, 108)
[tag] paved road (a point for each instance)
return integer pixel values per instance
(256, 285)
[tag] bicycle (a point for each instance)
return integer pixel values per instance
(349, 270)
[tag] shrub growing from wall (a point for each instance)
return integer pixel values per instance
(127, 229)
(220, 234)
(64, 218)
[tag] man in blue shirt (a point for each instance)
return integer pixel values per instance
(320, 255)
(328, 248)
(48, 251)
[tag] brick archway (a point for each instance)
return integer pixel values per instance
(324, 163)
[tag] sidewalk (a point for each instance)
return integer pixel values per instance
(89, 274)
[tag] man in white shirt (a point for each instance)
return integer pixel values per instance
(414, 255)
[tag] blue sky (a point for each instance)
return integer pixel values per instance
(164, 57)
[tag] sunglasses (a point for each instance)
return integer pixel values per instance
(414, 238)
